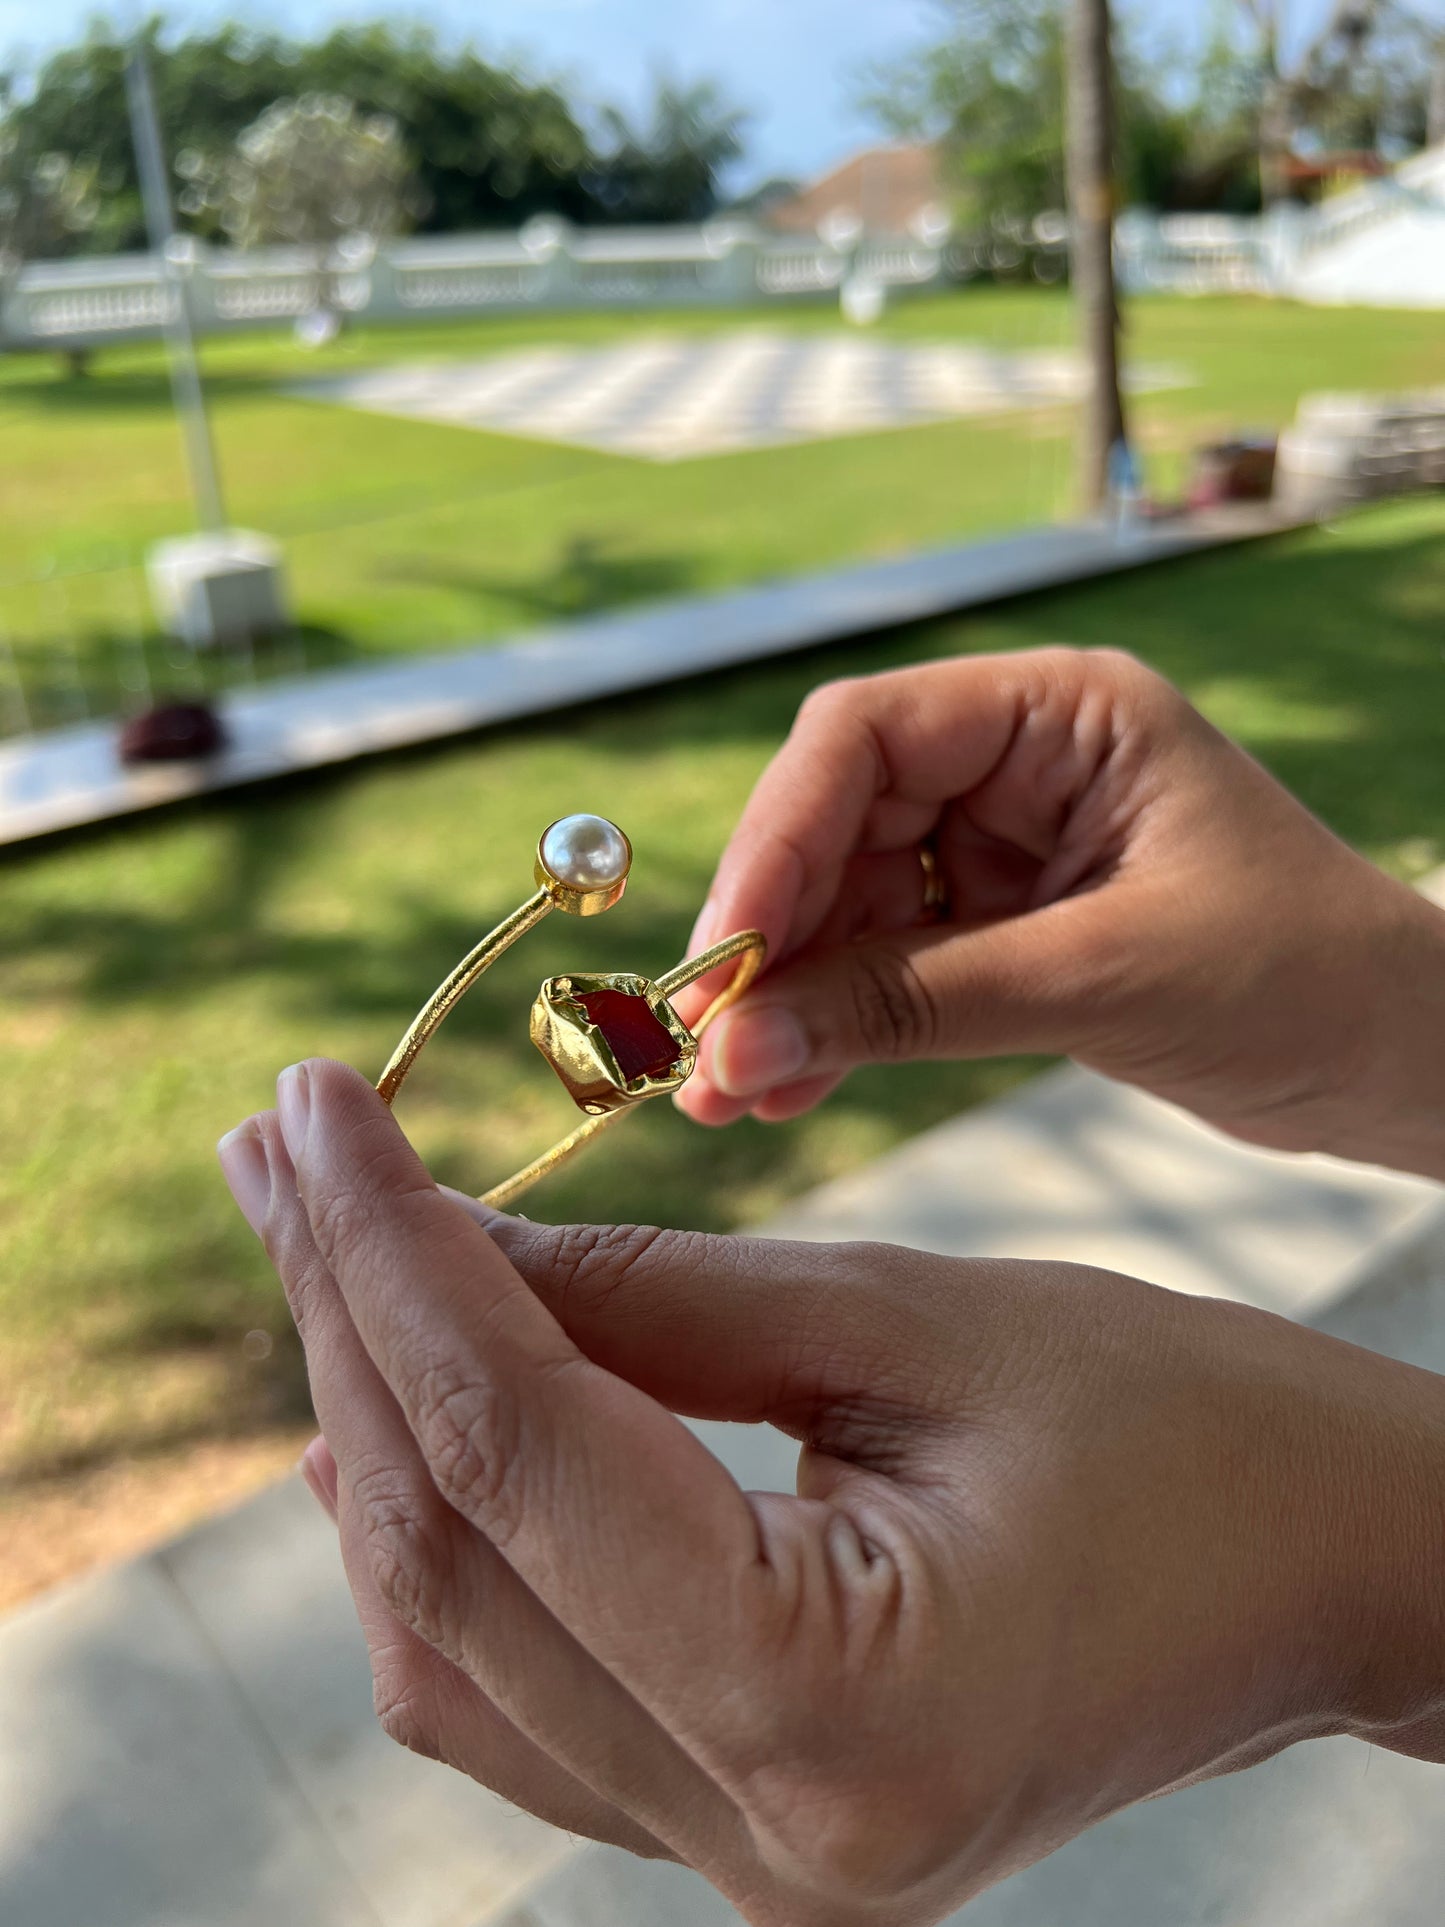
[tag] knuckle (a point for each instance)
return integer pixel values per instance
(1128, 676)
(1118, 662)
(404, 1712)
(337, 1217)
(295, 1261)
(378, 1172)
(893, 1013)
(405, 1552)
(301, 1282)
(592, 1262)
(469, 1432)
(837, 693)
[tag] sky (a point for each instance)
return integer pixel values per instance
(793, 63)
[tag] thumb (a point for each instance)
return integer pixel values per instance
(1031, 983)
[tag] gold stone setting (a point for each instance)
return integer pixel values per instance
(584, 1057)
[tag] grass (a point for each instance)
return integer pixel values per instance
(403, 535)
(154, 977)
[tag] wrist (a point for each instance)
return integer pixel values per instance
(1372, 1626)
(1390, 1106)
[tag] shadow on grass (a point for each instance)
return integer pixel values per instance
(100, 672)
(41, 383)
(1333, 680)
(249, 1406)
(1322, 654)
(590, 574)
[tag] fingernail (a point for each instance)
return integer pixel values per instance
(318, 1468)
(242, 1157)
(758, 1050)
(293, 1107)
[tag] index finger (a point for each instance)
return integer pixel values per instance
(866, 768)
(609, 1509)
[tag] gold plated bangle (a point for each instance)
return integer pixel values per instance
(613, 1038)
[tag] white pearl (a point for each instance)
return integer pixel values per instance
(587, 852)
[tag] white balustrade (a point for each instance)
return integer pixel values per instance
(1384, 241)
(547, 264)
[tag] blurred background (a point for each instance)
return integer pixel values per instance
(440, 327)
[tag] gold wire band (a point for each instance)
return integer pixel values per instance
(748, 947)
(448, 995)
(935, 889)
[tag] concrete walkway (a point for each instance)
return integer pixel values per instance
(72, 777)
(188, 1740)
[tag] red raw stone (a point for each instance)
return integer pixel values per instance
(642, 1045)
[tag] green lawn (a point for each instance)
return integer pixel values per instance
(154, 977)
(406, 535)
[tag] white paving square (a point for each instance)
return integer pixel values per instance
(667, 400)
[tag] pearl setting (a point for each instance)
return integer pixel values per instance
(583, 862)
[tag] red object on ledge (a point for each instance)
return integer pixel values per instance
(172, 733)
(1237, 471)
(641, 1043)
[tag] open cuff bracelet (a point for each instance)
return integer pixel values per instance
(614, 1039)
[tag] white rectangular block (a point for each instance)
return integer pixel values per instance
(217, 588)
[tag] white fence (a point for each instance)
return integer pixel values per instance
(548, 265)
(1194, 253)
(1383, 242)
(1379, 244)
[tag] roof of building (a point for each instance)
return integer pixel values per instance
(882, 189)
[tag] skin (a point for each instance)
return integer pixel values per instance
(1126, 886)
(1061, 1540)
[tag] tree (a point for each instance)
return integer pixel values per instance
(989, 88)
(667, 167)
(312, 173)
(46, 200)
(1091, 156)
(490, 146)
(1362, 81)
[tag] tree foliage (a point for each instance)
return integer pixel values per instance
(988, 84)
(666, 167)
(313, 173)
(47, 199)
(1359, 79)
(990, 87)
(488, 146)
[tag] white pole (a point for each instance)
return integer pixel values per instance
(180, 337)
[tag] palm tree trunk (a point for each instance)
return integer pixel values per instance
(1275, 129)
(1091, 210)
(1435, 127)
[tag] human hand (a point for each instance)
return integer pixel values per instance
(1126, 886)
(1061, 1540)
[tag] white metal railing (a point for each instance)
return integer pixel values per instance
(86, 303)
